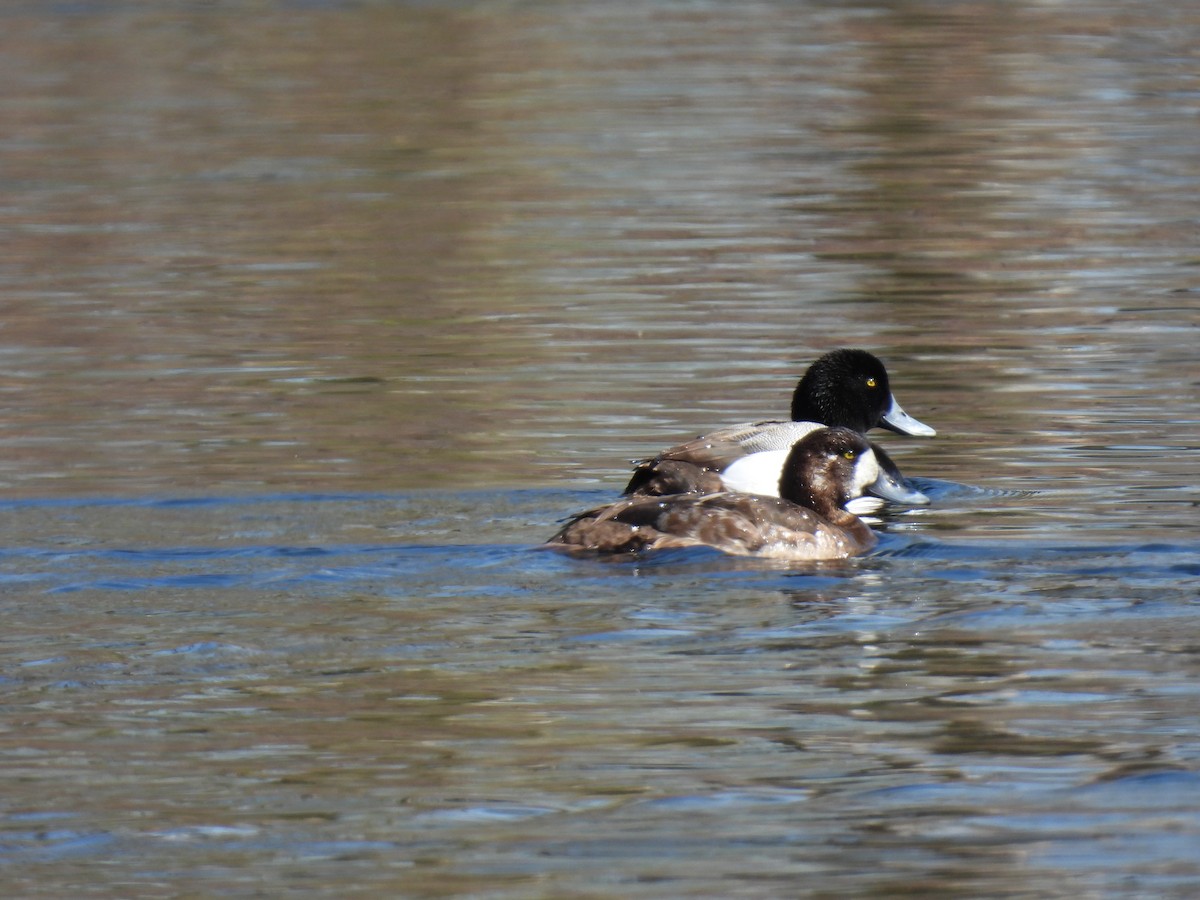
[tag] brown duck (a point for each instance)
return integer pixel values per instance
(824, 471)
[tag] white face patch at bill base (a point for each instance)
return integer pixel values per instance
(866, 472)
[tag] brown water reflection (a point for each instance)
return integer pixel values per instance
(402, 247)
(255, 252)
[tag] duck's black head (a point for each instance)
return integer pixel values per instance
(849, 388)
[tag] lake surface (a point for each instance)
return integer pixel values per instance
(316, 318)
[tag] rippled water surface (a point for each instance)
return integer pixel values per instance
(316, 318)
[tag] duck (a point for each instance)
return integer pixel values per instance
(846, 388)
(825, 470)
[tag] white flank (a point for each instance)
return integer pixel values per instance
(757, 473)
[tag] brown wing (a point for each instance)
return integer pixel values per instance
(622, 527)
(720, 520)
(660, 477)
(753, 525)
(651, 523)
(741, 524)
(690, 467)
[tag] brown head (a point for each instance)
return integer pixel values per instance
(828, 468)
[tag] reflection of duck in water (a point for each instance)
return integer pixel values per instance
(847, 388)
(824, 471)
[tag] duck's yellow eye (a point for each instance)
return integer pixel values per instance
(871, 382)
(849, 454)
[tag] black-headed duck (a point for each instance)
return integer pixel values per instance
(846, 388)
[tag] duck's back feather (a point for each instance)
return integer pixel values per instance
(662, 477)
(695, 466)
(755, 437)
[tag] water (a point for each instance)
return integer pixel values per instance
(318, 317)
